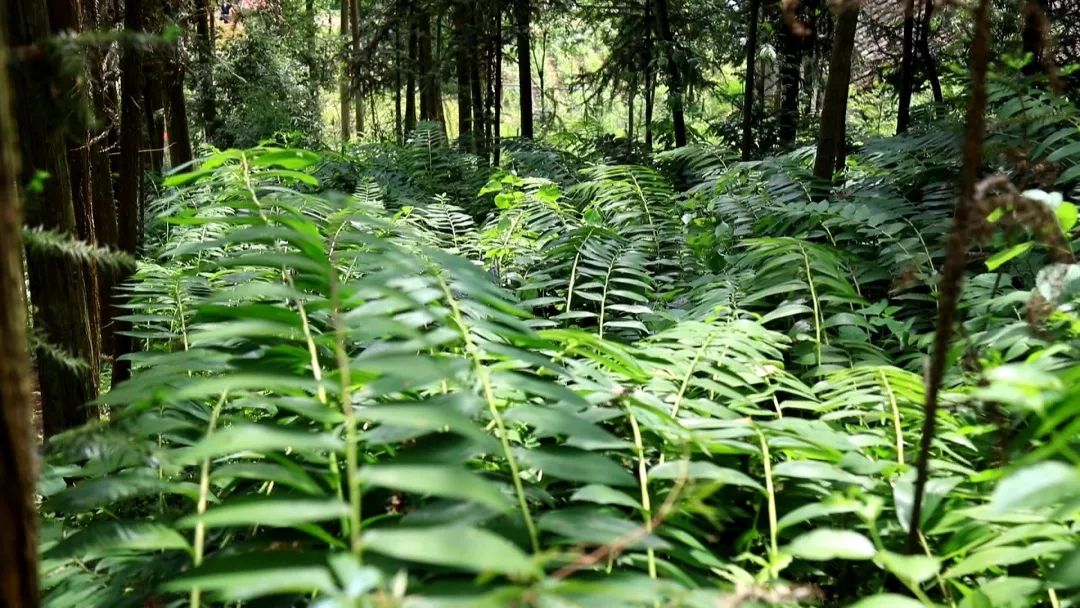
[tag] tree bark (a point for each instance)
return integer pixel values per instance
(650, 76)
(833, 132)
(343, 80)
(476, 95)
(750, 81)
(464, 85)
(790, 71)
(57, 284)
(410, 81)
(428, 91)
(674, 75)
(18, 517)
(128, 203)
(205, 72)
(176, 114)
(928, 58)
(358, 90)
(522, 15)
(398, 125)
(1033, 36)
(496, 122)
(907, 69)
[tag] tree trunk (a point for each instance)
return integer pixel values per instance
(428, 92)
(674, 76)
(928, 58)
(1034, 35)
(464, 85)
(748, 84)
(398, 126)
(650, 76)
(343, 79)
(522, 14)
(128, 204)
(410, 81)
(833, 133)
(103, 206)
(18, 516)
(176, 115)
(57, 284)
(790, 68)
(205, 72)
(476, 95)
(496, 122)
(907, 69)
(358, 88)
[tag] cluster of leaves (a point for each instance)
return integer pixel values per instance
(603, 391)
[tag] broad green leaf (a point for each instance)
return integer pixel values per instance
(703, 471)
(261, 438)
(452, 546)
(816, 470)
(1035, 486)
(105, 537)
(997, 557)
(90, 494)
(887, 600)
(576, 465)
(579, 432)
(914, 568)
(826, 544)
(998, 259)
(604, 495)
(436, 480)
(250, 575)
(597, 527)
(276, 512)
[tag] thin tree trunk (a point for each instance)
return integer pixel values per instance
(410, 81)
(1033, 35)
(674, 76)
(650, 76)
(128, 204)
(522, 14)
(928, 58)
(748, 84)
(103, 206)
(464, 86)
(205, 72)
(343, 79)
(358, 93)
(18, 516)
(907, 69)
(496, 123)
(398, 133)
(57, 284)
(176, 115)
(833, 133)
(788, 123)
(476, 83)
(428, 96)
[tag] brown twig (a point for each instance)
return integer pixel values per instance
(955, 258)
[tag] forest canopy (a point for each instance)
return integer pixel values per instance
(539, 303)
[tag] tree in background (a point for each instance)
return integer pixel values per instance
(57, 285)
(18, 518)
(522, 20)
(753, 8)
(832, 136)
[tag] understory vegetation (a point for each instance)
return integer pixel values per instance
(394, 376)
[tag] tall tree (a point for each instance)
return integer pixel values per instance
(1034, 35)
(176, 120)
(832, 135)
(18, 519)
(907, 68)
(750, 81)
(929, 64)
(204, 45)
(128, 201)
(650, 74)
(791, 47)
(344, 17)
(674, 74)
(357, 92)
(462, 57)
(57, 285)
(410, 77)
(429, 91)
(522, 21)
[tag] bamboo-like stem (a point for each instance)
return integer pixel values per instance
(643, 482)
(199, 544)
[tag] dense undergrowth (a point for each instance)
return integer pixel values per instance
(574, 382)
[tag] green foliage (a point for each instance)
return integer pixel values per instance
(449, 388)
